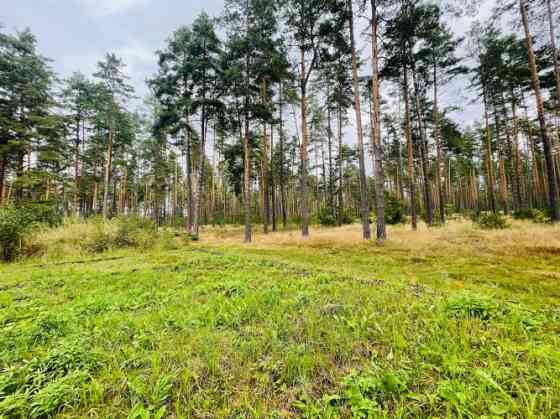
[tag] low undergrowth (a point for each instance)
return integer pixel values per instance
(315, 331)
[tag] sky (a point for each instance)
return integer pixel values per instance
(76, 34)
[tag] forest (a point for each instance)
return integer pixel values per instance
(319, 209)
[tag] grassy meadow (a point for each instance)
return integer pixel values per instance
(448, 322)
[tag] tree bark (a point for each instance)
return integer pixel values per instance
(439, 150)
(247, 181)
(364, 203)
(283, 198)
(304, 156)
(2, 178)
(77, 170)
(553, 195)
(340, 167)
(518, 198)
(189, 169)
(555, 54)
(377, 147)
(423, 152)
(410, 152)
(264, 166)
(108, 169)
(490, 181)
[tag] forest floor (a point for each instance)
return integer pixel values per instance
(447, 322)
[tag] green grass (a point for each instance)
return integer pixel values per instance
(318, 331)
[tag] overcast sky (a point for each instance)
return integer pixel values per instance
(77, 33)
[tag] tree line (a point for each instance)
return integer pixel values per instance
(295, 111)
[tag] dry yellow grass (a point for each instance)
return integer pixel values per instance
(457, 237)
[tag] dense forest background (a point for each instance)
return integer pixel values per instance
(296, 112)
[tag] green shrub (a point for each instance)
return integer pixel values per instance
(326, 218)
(532, 214)
(17, 222)
(46, 213)
(122, 232)
(13, 229)
(394, 210)
(347, 218)
(100, 240)
(135, 232)
(491, 221)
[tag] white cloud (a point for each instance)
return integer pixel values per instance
(110, 7)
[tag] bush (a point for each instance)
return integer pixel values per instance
(100, 239)
(531, 214)
(12, 233)
(46, 213)
(326, 218)
(347, 218)
(394, 211)
(122, 232)
(17, 222)
(491, 221)
(135, 232)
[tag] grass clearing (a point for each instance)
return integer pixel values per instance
(447, 322)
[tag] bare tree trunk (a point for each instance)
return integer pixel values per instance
(108, 169)
(77, 171)
(247, 182)
(377, 147)
(330, 158)
(200, 175)
(2, 178)
(501, 163)
(423, 152)
(340, 168)
(189, 169)
(555, 58)
(490, 182)
(410, 153)
(304, 157)
(553, 195)
(518, 198)
(272, 182)
(364, 203)
(264, 166)
(124, 188)
(283, 198)
(439, 150)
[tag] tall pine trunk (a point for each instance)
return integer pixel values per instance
(77, 170)
(555, 54)
(410, 152)
(553, 195)
(264, 166)
(3, 163)
(247, 181)
(283, 197)
(108, 169)
(364, 203)
(189, 169)
(340, 167)
(377, 148)
(439, 150)
(423, 147)
(304, 156)
(490, 181)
